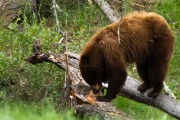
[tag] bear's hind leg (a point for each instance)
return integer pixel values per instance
(157, 73)
(142, 69)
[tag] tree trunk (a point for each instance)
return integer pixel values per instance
(11, 9)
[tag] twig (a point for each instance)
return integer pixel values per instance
(67, 60)
(68, 80)
(119, 27)
(168, 91)
(73, 94)
(120, 19)
(135, 4)
(55, 7)
(90, 2)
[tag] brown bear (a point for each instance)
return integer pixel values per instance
(145, 39)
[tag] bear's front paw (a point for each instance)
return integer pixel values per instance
(103, 99)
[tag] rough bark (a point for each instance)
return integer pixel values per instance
(106, 8)
(101, 110)
(115, 9)
(129, 90)
(11, 9)
(142, 4)
(118, 6)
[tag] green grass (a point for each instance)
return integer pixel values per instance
(173, 79)
(29, 112)
(81, 23)
(140, 111)
(170, 10)
(35, 111)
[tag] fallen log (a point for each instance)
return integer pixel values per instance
(9, 10)
(129, 90)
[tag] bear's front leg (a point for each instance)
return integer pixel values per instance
(115, 84)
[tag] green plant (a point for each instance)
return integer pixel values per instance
(140, 111)
(170, 10)
(173, 78)
(38, 111)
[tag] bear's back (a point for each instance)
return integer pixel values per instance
(138, 32)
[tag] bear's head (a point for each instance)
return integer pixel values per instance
(91, 68)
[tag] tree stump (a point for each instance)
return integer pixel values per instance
(9, 10)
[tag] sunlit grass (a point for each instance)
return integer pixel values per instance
(33, 111)
(140, 111)
(170, 10)
(173, 78)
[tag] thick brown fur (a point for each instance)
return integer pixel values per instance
(145, 39)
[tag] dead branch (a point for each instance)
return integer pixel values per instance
(66, 91)
(135, 4)
(107, 10)
(56, 7)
